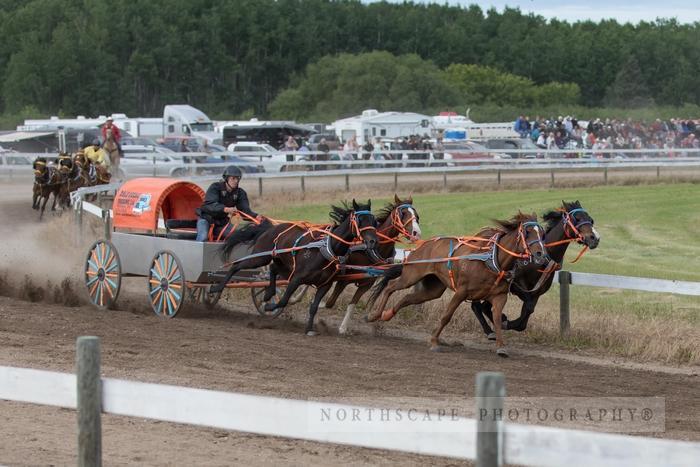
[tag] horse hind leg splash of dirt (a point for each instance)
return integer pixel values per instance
(475, 268)
(303, 253)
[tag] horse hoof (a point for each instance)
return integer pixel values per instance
(504, 324)
(368, 319)
(491, 336)
(311, 333)
(270, 307)
(388, 314)
(342, 331)
(502, 352)
(437, 348)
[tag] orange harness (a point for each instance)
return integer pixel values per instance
(486, 244)
(577, 237)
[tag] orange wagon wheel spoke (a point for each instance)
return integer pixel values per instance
(103, 274)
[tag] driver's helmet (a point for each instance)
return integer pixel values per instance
(232, 171)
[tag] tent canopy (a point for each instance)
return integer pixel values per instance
(139, 202)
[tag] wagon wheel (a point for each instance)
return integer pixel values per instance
(257, 294)
(103, 274)
(166, 284)
(202, 296)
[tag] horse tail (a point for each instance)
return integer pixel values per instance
(389, 274)
(248, 233)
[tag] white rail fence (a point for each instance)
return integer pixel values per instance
(490, 441)
(566, 279)
(410, 163)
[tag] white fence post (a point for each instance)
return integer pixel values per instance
(490, 391)
(89, 400)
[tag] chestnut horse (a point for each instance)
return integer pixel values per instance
(394, 221)
(475, 268)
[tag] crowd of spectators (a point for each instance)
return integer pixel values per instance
(569, 133)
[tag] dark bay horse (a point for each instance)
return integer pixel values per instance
(567, 224)
(475, 268)
(395, 220)
(47, 181)
(302, 253)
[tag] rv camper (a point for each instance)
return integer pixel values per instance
(372, 124)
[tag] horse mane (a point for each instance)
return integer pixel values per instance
(385, 212)
(553, 217)
(514, 222)
(338, 214)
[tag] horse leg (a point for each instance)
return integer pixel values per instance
(35, 199)
(402, 282)
(445, 317)
(45, 197)
(498, 302)
(361, 289)
(293, 285)
(520, 324)
(272, 287)
(427, 289)
(55, 199)
(482, 310)
(320, 293)
(339, 287)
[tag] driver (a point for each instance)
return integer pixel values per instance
(222, 199)
(96, 154)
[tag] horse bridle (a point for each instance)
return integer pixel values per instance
(527, 252)
(398, 224)
(569, 221)
(357, 230)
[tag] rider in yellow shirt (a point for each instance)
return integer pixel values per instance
(96, 154)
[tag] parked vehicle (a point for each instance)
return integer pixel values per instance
(145, 161)
(274, 133)
(174, 143)
(271, 159)
(141, 141)
(461, 152)
(514, 143)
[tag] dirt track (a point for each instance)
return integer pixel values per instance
(235, 351)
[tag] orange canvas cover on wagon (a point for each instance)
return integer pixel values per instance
(139, 202)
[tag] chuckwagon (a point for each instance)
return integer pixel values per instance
(153, 236)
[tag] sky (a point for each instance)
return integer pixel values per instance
(685, 11)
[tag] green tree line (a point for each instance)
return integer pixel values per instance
(242, 57)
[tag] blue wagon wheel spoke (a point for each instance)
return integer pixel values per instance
(103, 274)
